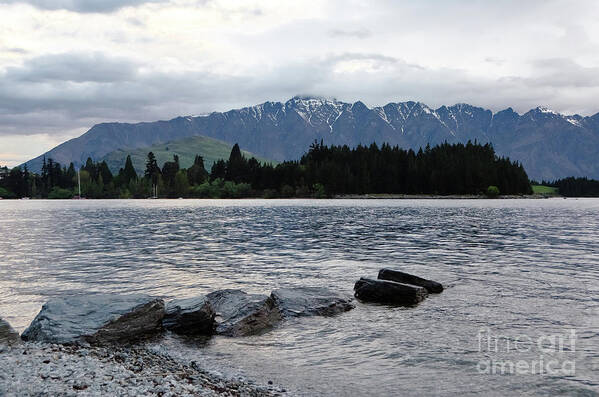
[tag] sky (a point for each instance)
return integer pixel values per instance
(68, 64)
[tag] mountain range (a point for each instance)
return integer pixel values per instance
(549, 145)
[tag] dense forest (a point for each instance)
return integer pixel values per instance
(576, 187)
(322, 172)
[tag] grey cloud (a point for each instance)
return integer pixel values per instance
(73, 68)
(16, 50)
(378, 60)
(70, 91)
(136, 21)
(82, 5)
(495, 61)
(348, 56)
(358, 33)
(555, 73)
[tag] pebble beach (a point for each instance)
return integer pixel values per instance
(38, 369)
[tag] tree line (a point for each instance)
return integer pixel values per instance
(323, 171)
(445, 169)
(576, 187)
(96, 180)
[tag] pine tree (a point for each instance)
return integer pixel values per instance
(169, 170)
(152, 170)
(219, 169)
(236, 169)
(104, 172)
(196, 174)
(26, 181)
(44, 176)
(128, 173)
(71, 176)
(91, 168)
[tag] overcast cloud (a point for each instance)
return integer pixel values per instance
(67, 64)
(81, 5)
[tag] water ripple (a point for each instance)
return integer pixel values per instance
(519, 267)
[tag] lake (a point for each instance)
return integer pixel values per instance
(521, 277)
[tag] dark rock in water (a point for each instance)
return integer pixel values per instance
(96, 319)
(8, 336)
(405, 278)
(194, 316)
(242, 314)
(310, 301)
(388, 292)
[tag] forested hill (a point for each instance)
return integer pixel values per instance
(186, 149)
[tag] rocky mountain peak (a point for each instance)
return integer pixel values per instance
(284, 131)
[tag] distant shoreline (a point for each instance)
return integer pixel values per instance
(440, 197)
(375, 196)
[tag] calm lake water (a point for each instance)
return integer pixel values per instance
(522, 271)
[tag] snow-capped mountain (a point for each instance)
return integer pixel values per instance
(550, 145)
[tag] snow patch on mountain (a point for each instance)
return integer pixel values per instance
(283, 131)
(574, 121)
(544, 109)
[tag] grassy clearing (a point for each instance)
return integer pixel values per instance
(542, 189)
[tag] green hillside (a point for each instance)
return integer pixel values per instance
(210, 149)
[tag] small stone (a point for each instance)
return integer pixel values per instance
(80, 386)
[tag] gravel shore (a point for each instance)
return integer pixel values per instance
(36, 369)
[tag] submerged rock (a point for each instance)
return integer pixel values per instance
(388, 292)
(310, 301)
(242, 314)
(96, 319)
(401, 277)
(194, 316)
(8, 335)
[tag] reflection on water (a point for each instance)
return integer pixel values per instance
(519, 267)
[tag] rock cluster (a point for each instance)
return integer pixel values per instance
(395, 288)
(432, 287)
(388, 292)
(97, 319)
(240, 314)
